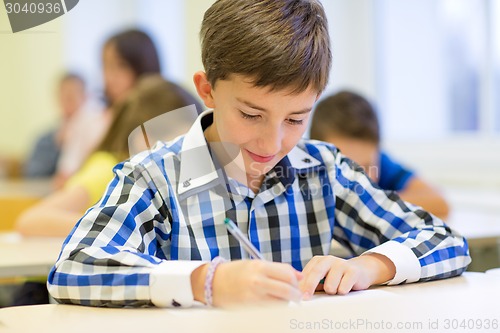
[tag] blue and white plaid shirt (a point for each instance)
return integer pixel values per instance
(163, 214)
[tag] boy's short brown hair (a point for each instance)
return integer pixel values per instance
(345, 114)
(278, 44)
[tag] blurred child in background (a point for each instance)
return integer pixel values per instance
(57, 214)
(42, 161)
(347, 120)
(126, 57)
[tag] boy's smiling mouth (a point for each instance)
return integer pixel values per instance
(260, 158)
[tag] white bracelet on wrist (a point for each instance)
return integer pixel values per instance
(210, 279)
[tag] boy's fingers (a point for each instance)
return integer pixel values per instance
(310, 265)
(298, 275)
(283, 291)
(311, 281)
(346, 283)
(315, 273)
(284, 273)
(332, 281)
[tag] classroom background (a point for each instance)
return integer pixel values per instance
(431, 67)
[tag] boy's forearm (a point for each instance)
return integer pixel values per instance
(421, 194)
(40, 222)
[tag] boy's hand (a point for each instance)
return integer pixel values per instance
(342, 276)
(251, 281)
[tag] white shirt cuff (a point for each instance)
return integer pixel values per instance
(170, 283)
(407, 265)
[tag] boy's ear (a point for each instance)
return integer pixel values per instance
(204, 88)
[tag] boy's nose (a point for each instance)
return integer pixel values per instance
(270, 140)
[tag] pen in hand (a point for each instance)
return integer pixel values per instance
(244, 241)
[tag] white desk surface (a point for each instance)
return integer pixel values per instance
(471, 300)
(495, 271)
(27, 256)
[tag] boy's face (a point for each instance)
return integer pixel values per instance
(264, 124)
(71, 97)
(119, 78)
(363, 152)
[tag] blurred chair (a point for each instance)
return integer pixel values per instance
(16, 195)
(10, 168)
(11, 208)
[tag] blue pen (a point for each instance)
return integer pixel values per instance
(244, 241)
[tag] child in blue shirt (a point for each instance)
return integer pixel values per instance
(157, 236)
(349, 121)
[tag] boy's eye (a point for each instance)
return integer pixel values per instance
(248, 116)
(255, 117)
(295, 121)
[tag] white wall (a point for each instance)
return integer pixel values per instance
(410, 70)
(352, 33)
(29, 63)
